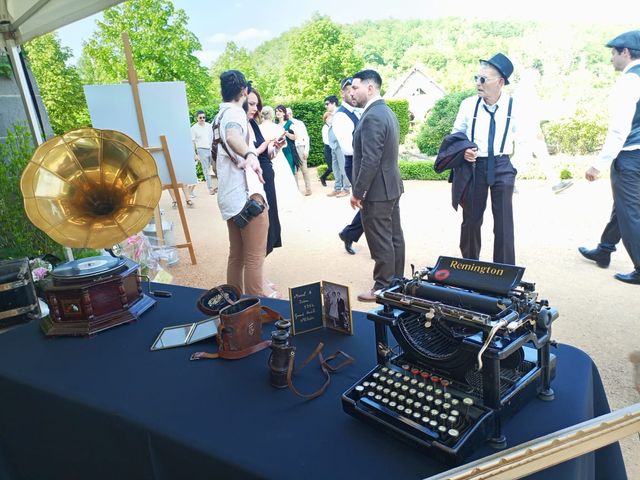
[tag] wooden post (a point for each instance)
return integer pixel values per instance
(174, 185)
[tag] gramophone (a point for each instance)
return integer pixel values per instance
(91, 188)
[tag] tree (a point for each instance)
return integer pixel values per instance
(59, 83)
(233, 58)
(161, 44)
(320, 55)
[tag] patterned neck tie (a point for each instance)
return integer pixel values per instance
(491, 160)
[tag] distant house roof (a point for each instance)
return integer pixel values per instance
(419, 89)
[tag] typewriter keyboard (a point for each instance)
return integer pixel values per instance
(409, 397)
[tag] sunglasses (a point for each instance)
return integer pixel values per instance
(482, 79)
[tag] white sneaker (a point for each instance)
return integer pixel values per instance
(561, 186)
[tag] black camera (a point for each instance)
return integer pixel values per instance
(281, 352)
(252, 209)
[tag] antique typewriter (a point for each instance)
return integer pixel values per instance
(472, 345)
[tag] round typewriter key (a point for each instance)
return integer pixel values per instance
(435, 379)
(467, 401)
(413, 381)
(452, 421)
(429, 398)
(408, 412)
(446, 406)
(425, 419)
(365, 384)
(415, 371)
(372, 384)
(378, 397)
(433, 424)
(385, 401)
(392, 404)
(454, 413)
(443, 417)
(402, 398)
(429, 388)
(425, 375)
(400, 408)
(370, 394)
(404, 388)
(412, 391)
(453, 433)
(420, 395)
(384, 369)
(421, 385)
(379, 388)
(406, 378)
(454, 402)
(442, 430)
(409, 401)
(434, 413)
(406, 367)
(375, 375)
(438, 392)
(446, 396)
(397, 385)
(445, 383)
(382, 378)
(417, 405)
(437, 402)
(398, 375)
(416, 416)
(393, 394)
(386, 391)
(390, 381)
(359, 390)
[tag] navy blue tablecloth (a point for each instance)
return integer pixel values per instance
(108, 407)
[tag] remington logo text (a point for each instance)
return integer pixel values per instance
(482, 270)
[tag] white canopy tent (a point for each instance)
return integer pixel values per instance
(22, 20)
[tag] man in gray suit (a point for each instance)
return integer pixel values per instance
(377, 186)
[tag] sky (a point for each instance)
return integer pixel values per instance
(249, 23)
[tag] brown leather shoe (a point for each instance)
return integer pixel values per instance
(367, 296)
(342, 193)
(332, 193)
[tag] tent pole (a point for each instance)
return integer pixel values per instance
(23, 85)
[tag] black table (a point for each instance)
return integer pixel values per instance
(108, 407)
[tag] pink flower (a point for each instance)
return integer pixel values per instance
(39, 273)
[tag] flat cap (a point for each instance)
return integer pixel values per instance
(629, 40)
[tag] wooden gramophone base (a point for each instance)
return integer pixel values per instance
(91, 327)
(92, 304)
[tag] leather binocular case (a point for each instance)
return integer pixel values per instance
(240, 330)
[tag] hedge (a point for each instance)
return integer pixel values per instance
(409, 171)
(310, 112)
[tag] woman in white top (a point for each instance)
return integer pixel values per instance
(286, 188)
(240, 178)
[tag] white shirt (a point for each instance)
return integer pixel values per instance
(302, 136)
(464, 123)
(202, 135)
(622, 106)
(343, 128)
(234, 184)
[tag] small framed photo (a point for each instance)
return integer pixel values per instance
(321, 304)
(337, 307)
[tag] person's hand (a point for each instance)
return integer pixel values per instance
(254, 164)
(592, 174)
(356, 202)
(470, 154)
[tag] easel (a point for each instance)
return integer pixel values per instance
(174, 185)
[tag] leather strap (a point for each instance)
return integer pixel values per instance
(324, 366)
(267, 315)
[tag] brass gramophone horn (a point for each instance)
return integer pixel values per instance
(90, 188)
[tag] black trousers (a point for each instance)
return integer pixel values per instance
(329, 161)
(625, 215)
(354, 230)
(475, 203)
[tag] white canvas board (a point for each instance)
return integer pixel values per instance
(165, 112)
